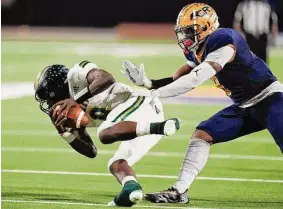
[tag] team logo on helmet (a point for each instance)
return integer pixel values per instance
(202, 12)
(194, 23)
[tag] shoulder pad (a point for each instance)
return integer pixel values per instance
(87, 65)
(218, 39)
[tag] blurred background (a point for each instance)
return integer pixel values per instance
(113, 15)
(37, 33)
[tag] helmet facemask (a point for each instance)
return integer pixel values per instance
(41, 96)
(46, 98)
(188, 37)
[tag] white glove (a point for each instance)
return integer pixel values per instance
(136, 75)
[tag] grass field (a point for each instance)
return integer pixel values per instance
(39, 170)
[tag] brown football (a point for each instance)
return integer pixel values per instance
(76, 117)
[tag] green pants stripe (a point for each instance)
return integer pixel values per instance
(123, 115)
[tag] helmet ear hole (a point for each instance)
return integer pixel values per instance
(51, 95)
(204, 28)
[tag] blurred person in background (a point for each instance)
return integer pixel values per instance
(255, 19)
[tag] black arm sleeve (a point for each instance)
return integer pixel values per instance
(161, 82)
(83, 143)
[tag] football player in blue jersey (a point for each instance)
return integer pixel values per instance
(220, 54)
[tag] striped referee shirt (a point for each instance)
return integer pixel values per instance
(256, 17)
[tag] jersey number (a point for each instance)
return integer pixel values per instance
(99, 113)
(218, 85)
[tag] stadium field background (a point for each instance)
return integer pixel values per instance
(39, 170)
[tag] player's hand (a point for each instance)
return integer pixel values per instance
(59, 115)
(135, 74)
(60, 129)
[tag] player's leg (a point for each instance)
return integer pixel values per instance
(115, 128)
(228, 124)
(132, 151)
(119, 167)
(127, 130)
(120, 164)
(274, 119)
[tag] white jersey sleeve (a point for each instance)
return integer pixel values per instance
(191, 64)
(77, 76)
(222, 55)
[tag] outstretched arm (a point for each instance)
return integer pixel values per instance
(188, 82)
(138, 76)
(214, 62)
(184, 70)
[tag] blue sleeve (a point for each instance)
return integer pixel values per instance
(189, 56)
(218, 39)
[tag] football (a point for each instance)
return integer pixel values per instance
(76, 117)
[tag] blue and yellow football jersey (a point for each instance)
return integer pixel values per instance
(243, 77)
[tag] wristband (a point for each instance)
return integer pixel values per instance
(83, 95)
(68, 137)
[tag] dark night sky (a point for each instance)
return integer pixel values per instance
(105, 13)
